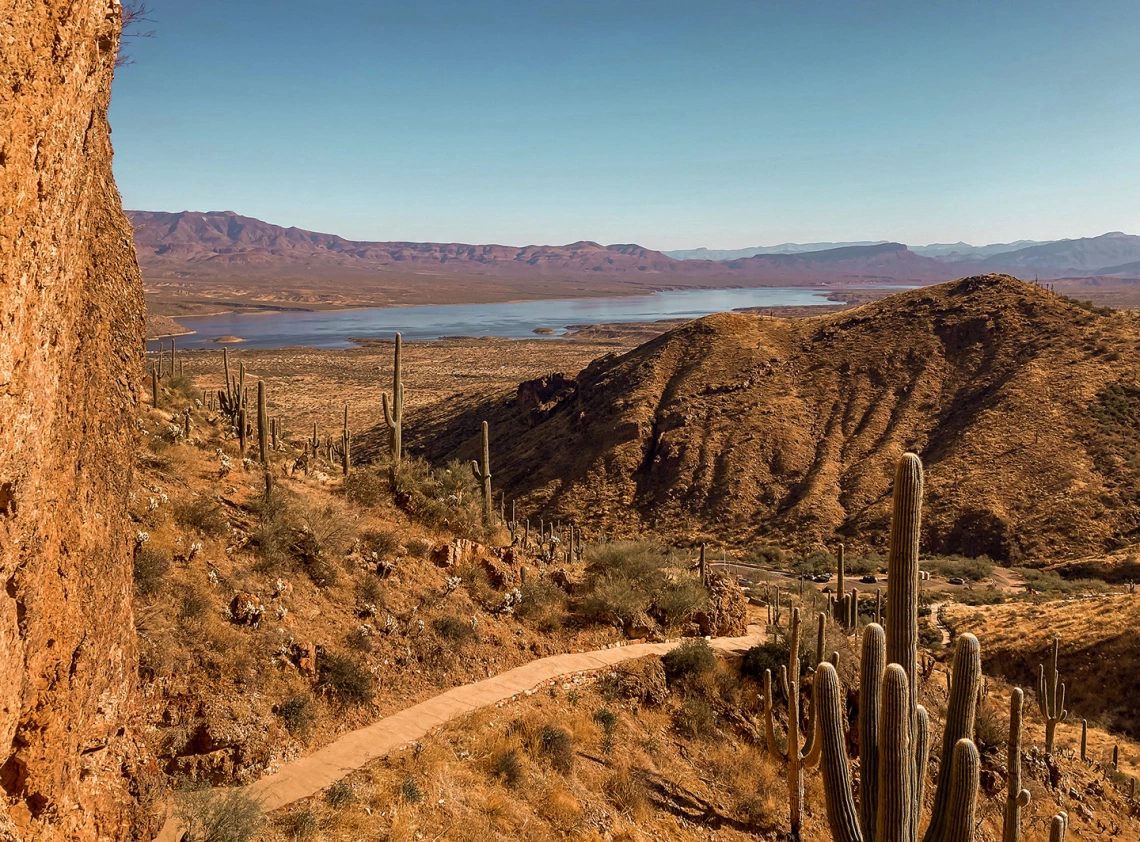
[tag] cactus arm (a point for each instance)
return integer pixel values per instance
(871, 667)
(922, 753)
(784, 683)
(820, 639)
(387, 411)
(893, 816)
(842, 817)
(769, 721)
(960, 715)
(965, 776)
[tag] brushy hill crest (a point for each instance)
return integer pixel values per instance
(1022, 403)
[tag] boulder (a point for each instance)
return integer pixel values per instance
(246, 609)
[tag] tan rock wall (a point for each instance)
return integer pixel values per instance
(71, 324)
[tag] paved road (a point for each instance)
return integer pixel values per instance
(308, 775)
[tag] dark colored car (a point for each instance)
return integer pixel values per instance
(870, 580)
(957, 580)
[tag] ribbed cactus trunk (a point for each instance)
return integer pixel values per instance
(1084, 740)
(226, 369)
(394, 411)
(154, 386)
(841, 591)
(262, 424)
(794, 758)
(1059, 827)
(483, 475)
(241, 431)
(902, 589)
(1016, 798)
(960, 714)
(1051, 697)
(703, 569)
(345, 446)
(871, 668)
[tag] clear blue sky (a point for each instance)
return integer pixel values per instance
(670, 123)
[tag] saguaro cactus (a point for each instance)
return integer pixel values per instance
(241, 423)
(262, 424)
(1051, 697)
(345, 455)
(1084, 739)
(794, 758)
(892, 784)
(840, 592)
(394, 411)
(1016, 798)
(154, 389)
(483, 474)
(704, 571)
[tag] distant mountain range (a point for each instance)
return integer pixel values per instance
(182, 251)
(1103, 255)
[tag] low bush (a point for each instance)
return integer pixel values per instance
(506, 766)
(218, 815)
(345, 679)
(971, 569)
(151, 565)
(298, 712)
(204, 514)
(1049, 581)
(410, 790)
(691, 660)
(418, 547)
(339, 795)
(452, 629)
(768, 555)
(543, 603)
(695, 718)
(366, 487)
(676, 603)
(558, 747)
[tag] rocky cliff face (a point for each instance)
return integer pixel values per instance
(71, 323)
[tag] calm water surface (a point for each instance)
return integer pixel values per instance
(335, 329)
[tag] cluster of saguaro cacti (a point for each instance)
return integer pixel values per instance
(893, 727)
(794, 758)
(894, 734)
(1051, 697)
(482, 474)
(394, 411)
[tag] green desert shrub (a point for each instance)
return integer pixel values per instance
(695, 718)
(691, 660)
(204, 514)
(298, 712)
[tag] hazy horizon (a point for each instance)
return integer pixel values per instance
(667, 124)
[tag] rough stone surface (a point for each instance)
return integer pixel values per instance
(71, 324)
(727, 613)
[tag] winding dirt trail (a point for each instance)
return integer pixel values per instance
(308, 775)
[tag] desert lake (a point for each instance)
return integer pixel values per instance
(510, 320)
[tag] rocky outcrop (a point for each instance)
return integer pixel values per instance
(727, 612)
(71, 324)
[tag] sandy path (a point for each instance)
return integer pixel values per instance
(308, 775)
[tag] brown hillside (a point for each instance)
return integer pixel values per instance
(1024, 406)
(71, 307)
(1100, 637)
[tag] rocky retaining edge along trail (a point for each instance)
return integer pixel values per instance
(308, 775)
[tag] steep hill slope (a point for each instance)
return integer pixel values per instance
(1024, 406)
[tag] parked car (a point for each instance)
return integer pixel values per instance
(822, 577)
(870, 580)
(957, 580)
